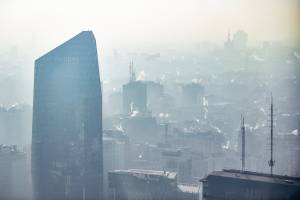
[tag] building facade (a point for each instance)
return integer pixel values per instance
(235, 185)
(134, 97)
(137, 184)
(67, 122)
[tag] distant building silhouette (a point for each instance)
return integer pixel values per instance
(228, 43)
(239, 40)
(134, 97)
(67, 122)
(116, 154)
(14, 174)
(141, 128)
(155, 93)
(15, 124)
(193, 94)
(134, 94)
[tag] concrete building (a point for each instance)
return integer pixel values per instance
(149, 185)
(134, 97)
(15, 181)
(287, 154)
(155, 95)
(141, 128)
(114, 105)
(192, 94)
(15, 125)
(116, 154)
(239, 40)
(236, 185)
(206, 142)
(67, 122)
(177, 160)
(228, 43)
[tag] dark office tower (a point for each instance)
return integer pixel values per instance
(67, 122)
(134, 94)
(134, 97)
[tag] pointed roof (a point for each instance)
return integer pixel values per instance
(80, 42)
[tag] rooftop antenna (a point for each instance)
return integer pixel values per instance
(243, 142)
(133, 72)
(130, 72)
(271, 161)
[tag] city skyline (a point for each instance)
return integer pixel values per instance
(148, 22)
(149, 99)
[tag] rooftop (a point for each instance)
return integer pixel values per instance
(256, 176)
(11, 150)
(76, 41)
(189, 188)
(137, 172)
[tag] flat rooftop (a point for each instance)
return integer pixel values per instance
(137, 172)
(194, 189)
(256, 176)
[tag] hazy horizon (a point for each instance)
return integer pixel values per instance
(31, 28)
(171, 96)
(42, 25)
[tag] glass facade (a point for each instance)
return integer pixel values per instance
(67, 122)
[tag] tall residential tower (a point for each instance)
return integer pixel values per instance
(67, 122)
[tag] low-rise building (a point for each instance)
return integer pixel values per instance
(236, 185)
(137, 184)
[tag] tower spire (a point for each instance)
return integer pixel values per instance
(228, 36)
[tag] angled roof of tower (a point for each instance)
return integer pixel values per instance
(80, 42)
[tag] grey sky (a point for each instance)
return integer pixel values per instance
(44, 23)
(30, 28)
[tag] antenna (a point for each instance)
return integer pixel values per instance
(133, 73)
(243, 142)
(130, 73)
(271, 161)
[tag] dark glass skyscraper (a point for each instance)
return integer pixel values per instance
(67, 122)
